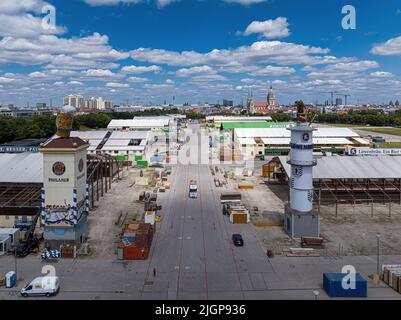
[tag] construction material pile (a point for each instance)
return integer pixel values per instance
(136, 241)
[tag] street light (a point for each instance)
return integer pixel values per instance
(378, 254)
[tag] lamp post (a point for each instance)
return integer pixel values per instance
(15, 263)
(378, 254)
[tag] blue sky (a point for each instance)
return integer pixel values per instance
(199, 50)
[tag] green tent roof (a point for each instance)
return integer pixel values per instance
(254, 125)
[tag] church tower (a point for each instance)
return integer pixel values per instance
(271, 98)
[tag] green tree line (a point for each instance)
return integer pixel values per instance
(12, 128)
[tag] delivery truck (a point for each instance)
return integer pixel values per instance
(193, 189)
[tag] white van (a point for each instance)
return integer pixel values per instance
(42, 286)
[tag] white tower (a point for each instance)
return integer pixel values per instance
(300, 219)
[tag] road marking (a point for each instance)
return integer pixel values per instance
(187, 268)
(188, 238)
(179, 238)
(176, 267)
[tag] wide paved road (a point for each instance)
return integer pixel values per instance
(193, 248)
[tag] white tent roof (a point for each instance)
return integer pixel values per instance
(117, 143)
(362, 141)
(284, 133)
(139, 123)
(238, 119)
(21, 168)
(128, 135)
(247, 141)
(336, 167)
(89, 135)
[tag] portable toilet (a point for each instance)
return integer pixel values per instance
(11, 279)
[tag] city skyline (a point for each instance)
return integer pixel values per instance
(198, 51)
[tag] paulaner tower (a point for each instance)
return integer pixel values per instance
(300, 219)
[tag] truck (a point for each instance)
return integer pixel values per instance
(193, 189)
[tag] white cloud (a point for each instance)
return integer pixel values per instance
(187, 72)
(245, 2)
(261, 52)
(269, 29)
(13, 6)
(140, 69)
(6, 80)
(170, 82)
(58, 83)
(381, 74)
(163, 3)
(137, 79)
(117, 85)
(100, 73)
(75, 83)
(110, 2)
(391, 47)
(37, 75)
(274, 71)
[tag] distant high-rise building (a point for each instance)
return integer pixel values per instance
(41, 105)
(75, 100)
(339, 102)
(228, 103)
(108, 104)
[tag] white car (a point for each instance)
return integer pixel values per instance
(42, 286)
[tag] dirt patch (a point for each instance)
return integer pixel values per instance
(120, 200)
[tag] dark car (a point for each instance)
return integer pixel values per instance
(238, 240)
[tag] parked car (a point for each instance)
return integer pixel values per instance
(42, 286)
(238, 240)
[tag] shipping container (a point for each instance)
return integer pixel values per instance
(332, 284)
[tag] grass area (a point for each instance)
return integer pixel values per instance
(84, 128)
(392, 131)
(383, 130)
(342, 125)
(388, 145)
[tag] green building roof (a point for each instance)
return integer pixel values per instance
(254, 125)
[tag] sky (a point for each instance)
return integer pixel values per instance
(199, 51)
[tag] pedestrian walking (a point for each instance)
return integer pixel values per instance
(154, 272)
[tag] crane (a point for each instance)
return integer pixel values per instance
(332, 93)
(345, 97)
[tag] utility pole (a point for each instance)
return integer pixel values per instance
(15, 263)
(378, 254)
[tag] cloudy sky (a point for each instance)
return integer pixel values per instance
(199, 50)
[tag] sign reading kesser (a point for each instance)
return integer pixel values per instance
(373, 152)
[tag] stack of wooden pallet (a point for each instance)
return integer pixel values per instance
(246, 186)
(312, 242)
(391, 275)
(302, 252)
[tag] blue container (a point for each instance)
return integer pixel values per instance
(158, 158)
(332, 284)
(11, 279)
